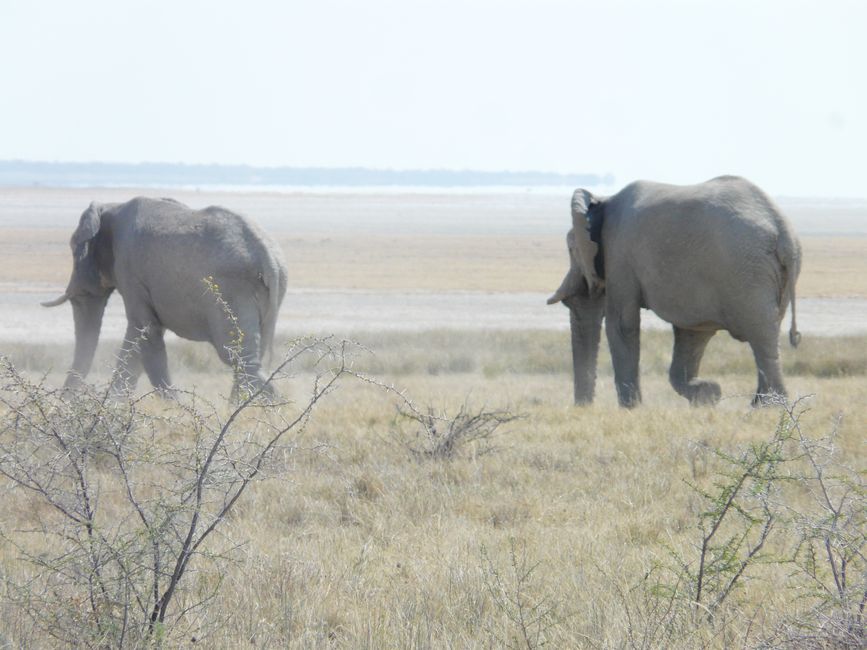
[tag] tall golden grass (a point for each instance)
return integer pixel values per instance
(358, 543)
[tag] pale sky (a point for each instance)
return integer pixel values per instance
(665, 90)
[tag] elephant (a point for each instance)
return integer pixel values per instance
(207, 275)
(717, 255)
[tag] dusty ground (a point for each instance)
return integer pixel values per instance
(366, 262)
(499, 243)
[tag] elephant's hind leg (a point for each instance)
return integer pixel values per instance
(142, 349)
(689, 347)
(770, 385)
(154, 358)
(238, 342)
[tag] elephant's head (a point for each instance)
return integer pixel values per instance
(583, 289)
(89, 287)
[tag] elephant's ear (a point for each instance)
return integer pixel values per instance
(85, 275)
(587, 227)
(88, 227)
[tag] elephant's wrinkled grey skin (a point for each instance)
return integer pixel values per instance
(157, 253)
(714, 256)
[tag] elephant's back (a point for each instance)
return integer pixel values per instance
(177, 253)
(171, 233)
(719, 216)
(696, 251)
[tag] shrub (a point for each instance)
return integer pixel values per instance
(124, 498)
(440, 435)
(753, 501)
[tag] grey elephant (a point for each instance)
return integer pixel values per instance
(714, 256)
(179, 269)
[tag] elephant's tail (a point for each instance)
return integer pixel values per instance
(789, 254)
(794, 334)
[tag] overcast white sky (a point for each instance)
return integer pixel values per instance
(666, 90)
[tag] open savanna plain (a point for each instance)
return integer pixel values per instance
(567, 527)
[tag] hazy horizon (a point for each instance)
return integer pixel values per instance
(334, 179)
(156, 174)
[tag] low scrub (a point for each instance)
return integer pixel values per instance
(752, 518)
(440, 435)
(129, 498)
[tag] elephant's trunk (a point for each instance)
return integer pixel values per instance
(87, 314)
(586, 323)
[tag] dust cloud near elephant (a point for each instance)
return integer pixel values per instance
(207, 275)
(714, 256)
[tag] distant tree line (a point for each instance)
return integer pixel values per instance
(78, 174)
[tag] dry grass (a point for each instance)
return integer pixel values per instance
(494, 354)
(35, 257)
(363, 545)
(833, 266)
(432, 262)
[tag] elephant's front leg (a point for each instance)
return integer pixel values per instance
(689, 346)
(623, 329)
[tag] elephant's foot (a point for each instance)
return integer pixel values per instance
(168, 393)
(768, 398)
(123, 390)
(703, 393)
(122, 386)
(629, 395)
(74, 382)
(246, 386)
